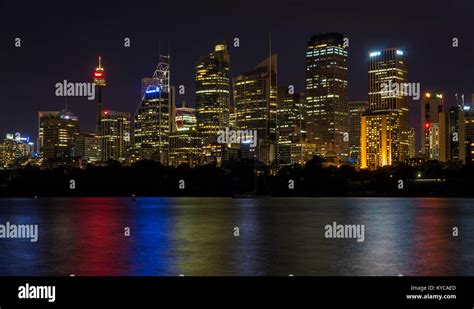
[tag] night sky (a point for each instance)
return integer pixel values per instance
(61, 40)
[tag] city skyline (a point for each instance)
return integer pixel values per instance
(468, 99)
(128, 66)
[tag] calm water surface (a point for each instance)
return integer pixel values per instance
(279, 236)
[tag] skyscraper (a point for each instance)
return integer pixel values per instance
(57, 131)
(290, 122)
(115, 133)
(185, 142)
(255, 100)
(356, 110)
(154, 116)
(384, 128)
(88, 147)
(452, 135)
(213, 93)
(326, 94)
(15, 150)
(432, 104)
(99, 81)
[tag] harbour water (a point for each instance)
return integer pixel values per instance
(238, 237)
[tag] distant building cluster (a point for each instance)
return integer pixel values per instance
(290, 127)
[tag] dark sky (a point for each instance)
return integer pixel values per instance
(61, 40)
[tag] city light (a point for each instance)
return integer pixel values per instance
(375, 54)
(153, 90)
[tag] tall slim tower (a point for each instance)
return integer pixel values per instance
(255, 102)
(384, 128)
(155, 114)
(99, 81)
(213, 92)
(326, 94)
(432, 104)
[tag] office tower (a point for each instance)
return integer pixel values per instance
(384, 128)
(379, 135)
(154, 117)
(57, 131)
(185, 118)
(88, 147)
(469, 131)
(115, 134)
(452, 135)
(432, 104)
(99, 82)
(326, 94)
(185, 142)
(255, 101)
(213, 93)
(232, 119)
(411, 143)
(15, 151)
(290, 122)
(356, 109)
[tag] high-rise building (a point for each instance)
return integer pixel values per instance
(213, 93)
(379, 134)
(290, 122)
(15, 150)
(411, 143)
(326, 94)
(185, 141)
(100, 83)
(384, 128)
(469, 131)
(185, 118)
(57, 131)
(452, 135)
(88, 147)
(432, 104)
(154, 116)
(115, 134)
(255, 101)
(356, 109)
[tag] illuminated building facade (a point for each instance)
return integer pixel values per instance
(255, 99)
(115, 134)
(100, 83)
(213, 93)
(452, 135)
(411, 143)
(326, 94)
(56, 134)
(154, 117)
(185, 141)
(432, 104)
(290, 122)
(15, 150)
(384, 127)
(88, 147)
(469, 129)
(356, 110)
(379, 135)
